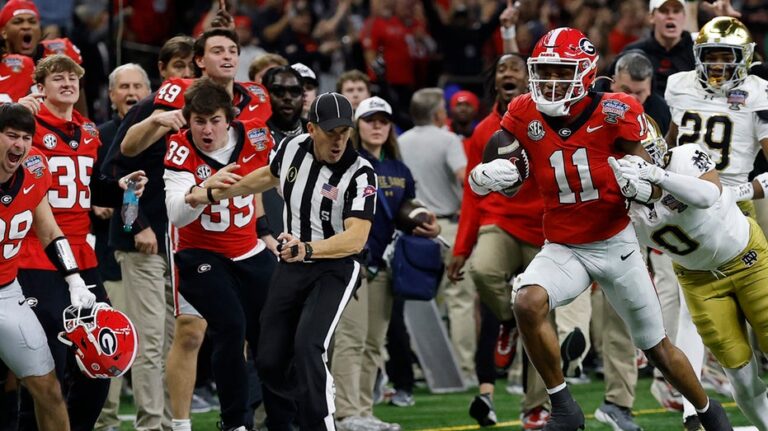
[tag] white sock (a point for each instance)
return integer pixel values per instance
(689, 342)
(181, 425)
(556, 389)
(704, 410)
(749, 391)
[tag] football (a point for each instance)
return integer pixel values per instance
(411, 215)
(504, 145)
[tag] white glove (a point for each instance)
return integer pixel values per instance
(79, 295)
(494, 176)
(628, 188)
(635, 167)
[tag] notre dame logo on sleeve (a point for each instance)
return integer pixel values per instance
(749, 258)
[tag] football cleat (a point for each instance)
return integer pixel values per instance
(667, 396)
(506, 347)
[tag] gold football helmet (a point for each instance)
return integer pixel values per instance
(723, 51)
(654, 142)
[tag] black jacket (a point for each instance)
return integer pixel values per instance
(152, 212)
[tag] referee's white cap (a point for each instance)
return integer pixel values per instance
(331, 110)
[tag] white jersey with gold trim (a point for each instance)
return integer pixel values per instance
(727, 126)
(696, 238)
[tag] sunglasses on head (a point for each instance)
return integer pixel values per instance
(280, 90)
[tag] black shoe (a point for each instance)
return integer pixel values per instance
(572, 348)
(570, 418)
(692, 423)
(715, 419)
(481, 409)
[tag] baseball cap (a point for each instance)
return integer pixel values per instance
(371, 106)
(17, 7)
(464, 96)
(331, 110)
(306, 73)
(655, 4)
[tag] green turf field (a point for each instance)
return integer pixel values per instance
(449, 412)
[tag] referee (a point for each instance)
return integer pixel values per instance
(330, 196)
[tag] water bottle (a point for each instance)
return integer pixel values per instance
(130, 206)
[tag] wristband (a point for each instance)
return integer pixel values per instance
(307, 251)
(192, 188)
(209, 193)
(763, 181)
(508, 33)
(644, 192)
(60, 254)
(262, 226)
(744, 192)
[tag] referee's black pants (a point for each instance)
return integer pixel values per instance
(229, 295)
(303, 307)
(85, 396)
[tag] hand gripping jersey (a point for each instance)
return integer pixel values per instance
(17, 206)
(696, 238)
(727, 127)
(582, 201)
(15, 77)
(71, 148)
(227, 227)
(250, 99)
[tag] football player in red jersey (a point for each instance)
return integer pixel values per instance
(24, 180)
(70, 142)
(216, 56)
(21, 31)
(222, 267)
(568, 134)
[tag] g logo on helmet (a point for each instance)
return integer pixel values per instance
(587, 46)
(107, 341)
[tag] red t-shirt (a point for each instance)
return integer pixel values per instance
(582, 200)
(390, 36)
(15, 77)
(17, 206)
(250, 99)
(227, 227)
(72, 149)
(520, 215)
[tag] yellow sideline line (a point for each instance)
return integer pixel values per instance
(644, 412)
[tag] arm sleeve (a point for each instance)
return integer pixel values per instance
(469, 222)
(691, 190)
(360, 197)
(682, 180)
(177, 184)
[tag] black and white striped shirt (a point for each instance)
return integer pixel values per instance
(318, 196)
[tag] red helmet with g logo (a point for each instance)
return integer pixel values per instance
(566, 47)
(103, 338)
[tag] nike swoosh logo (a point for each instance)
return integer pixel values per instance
(625, 256)
(87, 140)
(252, 107)
(248, 159)
(22, 301)
(591, 129)
(3, 78)
(27, 189)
